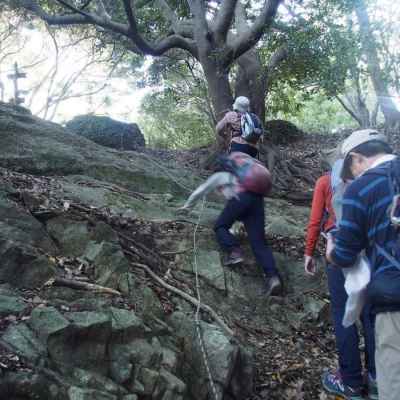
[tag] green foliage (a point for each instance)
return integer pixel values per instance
(167, 123)
(324, 53)
(177, 114)
(321, 50)
(316, 114)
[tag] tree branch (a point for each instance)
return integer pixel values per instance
(159, 48)
(277, 57)
(85, 4)
(74, 9)
(241, 23)
(130, 31)
(101, 10)
(55, 71)
(168, 14)
(228, 331)
(133, 31)
(55, 104)
(224, 19)
(183, 28)
(79, 18)
(201, 30)
(251, 36)
(348, 109)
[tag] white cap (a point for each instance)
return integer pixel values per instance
(241, 104)
(360, 137)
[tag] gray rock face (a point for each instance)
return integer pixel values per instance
(21, 235)
(24, 341)
(71, 236)
(11, 305)
(107, 132)
(29, 144)
(91, 347)
(109, 260)
(85, 345)
(77, 393)
(229, 365)
(208, 266)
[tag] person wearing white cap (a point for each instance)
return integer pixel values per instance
(231, 127)
(370, 217)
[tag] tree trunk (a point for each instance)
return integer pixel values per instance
(218, 87)
(388, 107)
(364, 113)
(350, 110)
(374, 115)
(221, 98)
(251, 82)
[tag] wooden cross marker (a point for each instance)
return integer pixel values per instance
(14, 77)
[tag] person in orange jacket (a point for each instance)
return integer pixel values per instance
(348, 380)
(322, 219)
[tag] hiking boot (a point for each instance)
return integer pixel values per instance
(333, 384)
(238, 229)
(372, 388)
(234, 257)
(273, 286)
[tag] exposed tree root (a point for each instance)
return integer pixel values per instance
(185, 296)
(75, 284)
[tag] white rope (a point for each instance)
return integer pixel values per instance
(197, 319)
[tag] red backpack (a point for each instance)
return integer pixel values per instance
(252, 175)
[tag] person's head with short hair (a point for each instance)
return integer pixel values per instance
(360, 150)
(241, 104)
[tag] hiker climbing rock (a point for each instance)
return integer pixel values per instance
(348, 381)
(244, 182)
(240, 129)
(370, 223)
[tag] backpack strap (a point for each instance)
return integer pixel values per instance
(336, 180)
(235, 132)
(393, 174)
(388, 256)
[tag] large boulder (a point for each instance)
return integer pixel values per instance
(282, 132)
(107, 132)
(31, 145)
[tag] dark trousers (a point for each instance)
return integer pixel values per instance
(248, 208)
(347, 339)
(244, 148)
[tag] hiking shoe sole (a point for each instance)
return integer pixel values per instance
(337, 396)
(277, 291)
(234, 262)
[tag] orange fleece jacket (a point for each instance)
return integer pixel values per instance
(322, 217)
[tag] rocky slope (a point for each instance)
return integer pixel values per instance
(96, 268)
